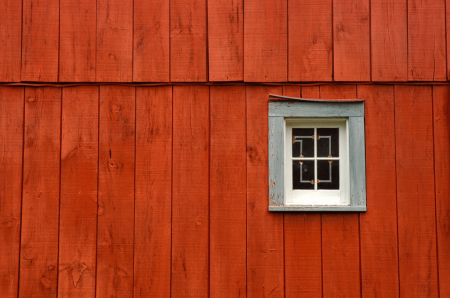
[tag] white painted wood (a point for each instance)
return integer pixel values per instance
(276, 160)
(319, 208)
(281, 111)
(317, 197)
(316, 109)
(357, 154)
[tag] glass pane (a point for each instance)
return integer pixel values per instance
(303, 174)
(328, 174)
(328, 142)
(303, 142)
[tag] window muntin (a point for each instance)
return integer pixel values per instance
(316, 159)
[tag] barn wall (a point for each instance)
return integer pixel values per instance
(216, 40)
(162, 191)
(133, 148)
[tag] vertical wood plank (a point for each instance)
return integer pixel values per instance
(303, 257)
(292, 91)
(415, 191)
(351, 40)
(265, 41)
(310, 40)
(188, 44)
(441, 115)
(303, 241)
(114, 41)
(11, 149)
(447, 7)
(40, 202)
(78, 34)
(378, 226)
(338, 92)
(426, 40)
(265, 261)
(226, 40)
(389, 40)
(340, 232)
(311, 92)
(78, 207)
(190, 193)
(151, 41)
(40, 40)
(228, 192)
(340, 255)
(116, 192)
(10, 40)
(153, 192)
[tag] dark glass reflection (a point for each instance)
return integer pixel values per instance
(328, 174)
(328, 142)
(303, 174)
(302, 142)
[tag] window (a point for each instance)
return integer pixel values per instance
(316, 155)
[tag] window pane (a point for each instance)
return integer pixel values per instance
(328, 142)
(303, 142)
(328, 174)
(303, 174)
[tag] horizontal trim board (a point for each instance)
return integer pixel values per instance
(319, 208)
(313, 109)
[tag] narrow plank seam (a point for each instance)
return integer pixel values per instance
(21, 197)
(435, 193)
(396, 194)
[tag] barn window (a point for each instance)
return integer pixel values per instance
(316, 155)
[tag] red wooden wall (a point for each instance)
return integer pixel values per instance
(133, 148)
(218, 40)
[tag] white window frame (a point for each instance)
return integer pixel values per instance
(286, 111)
(317, 196)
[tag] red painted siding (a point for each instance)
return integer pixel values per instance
(133, 148)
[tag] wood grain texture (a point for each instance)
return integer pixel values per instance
(292, 91)
(276, 166)
(10, 40)
(389, 40)
(337, 92)
(312, 92)
(40, 40)
(426, 40)
(303, 254)
(265, 41)
(447, 7)
(78, 35)
(415, 191)
(151, 41)
(441, 116)
(265, 261)
(378, 226)
(226, 40)
(153, 192)
(40, 201)
(340, 255)
(340, 232)
(78, 206)
(228, 192)
(310, 40)
(190, 192)
(116, 192)
(188, 41)
(351, 40)
(302, 241)
(114, 41)
(11, 149)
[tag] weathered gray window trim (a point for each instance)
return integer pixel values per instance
(288, 107)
